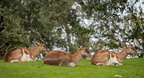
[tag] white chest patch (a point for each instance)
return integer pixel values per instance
(112, 60)
(25, 57)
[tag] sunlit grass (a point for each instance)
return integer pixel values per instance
(132, 68)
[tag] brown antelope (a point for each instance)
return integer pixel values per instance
(20, 54)
(61, 58)
(106, 58)
(39, 48)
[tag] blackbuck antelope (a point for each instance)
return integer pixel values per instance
(108, 58)
(61, 58)
(20, 54)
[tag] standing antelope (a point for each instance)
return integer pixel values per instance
(61, 58)
(20, 54)
(106, 58)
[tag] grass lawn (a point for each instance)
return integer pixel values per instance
(132, 68)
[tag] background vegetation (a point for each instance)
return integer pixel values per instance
(132, 68)
(62, 24)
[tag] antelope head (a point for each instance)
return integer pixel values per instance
(130, 49)
(84, 51)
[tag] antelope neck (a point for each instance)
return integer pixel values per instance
(122, 54)
(77, 56)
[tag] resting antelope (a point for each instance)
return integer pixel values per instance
(20, 54)
(106, 58)
(61, 58)
(39, 48)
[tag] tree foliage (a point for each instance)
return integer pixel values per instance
(64, 24)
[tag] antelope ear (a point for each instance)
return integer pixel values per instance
(123, 44)
(79, 46)
(36, 43)
(128, 45)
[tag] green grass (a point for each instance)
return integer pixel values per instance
(132, 68)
